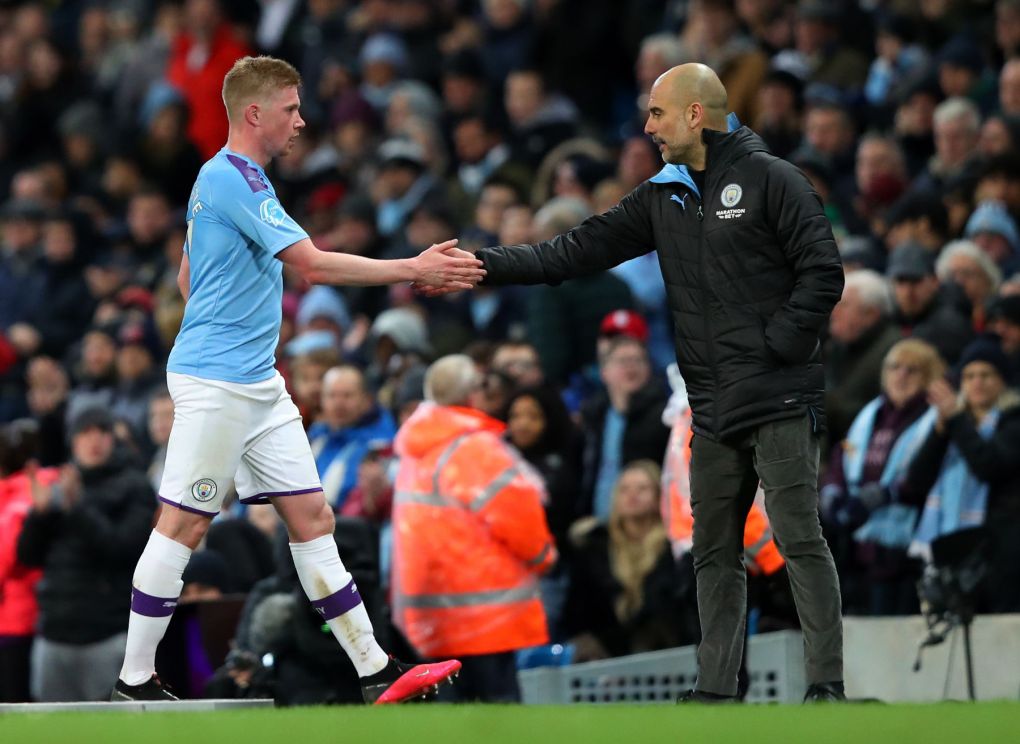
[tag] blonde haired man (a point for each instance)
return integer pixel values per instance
(235, 426)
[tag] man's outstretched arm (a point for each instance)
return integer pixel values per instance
(597, 244)
(441, 267)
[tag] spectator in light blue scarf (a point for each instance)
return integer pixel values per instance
(967, 473)
(870, 527)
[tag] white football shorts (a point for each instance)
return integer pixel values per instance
(225, 434)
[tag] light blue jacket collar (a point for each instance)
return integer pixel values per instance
(678, 173)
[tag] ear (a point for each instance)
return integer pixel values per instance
(695, 113)
(253, 114)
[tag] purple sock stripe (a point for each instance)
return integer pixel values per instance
(188, 508)
(338, 603)
(263, 498)
(146, 604)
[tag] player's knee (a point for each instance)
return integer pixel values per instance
(325, 520)
(181, 526)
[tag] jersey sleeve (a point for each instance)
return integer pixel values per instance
(258, 215)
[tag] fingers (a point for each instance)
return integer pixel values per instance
(463, 256)
(444, 246)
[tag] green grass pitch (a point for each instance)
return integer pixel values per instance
(959, 723)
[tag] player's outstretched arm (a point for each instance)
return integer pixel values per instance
(443, 267)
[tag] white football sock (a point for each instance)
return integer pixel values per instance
(156, 586)
(335, 597)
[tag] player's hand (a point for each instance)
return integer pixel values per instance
(426, 291)
(445, 267)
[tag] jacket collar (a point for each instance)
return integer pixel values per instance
(679, 174)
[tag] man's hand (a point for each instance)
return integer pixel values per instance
(446, 268)
(70, 485)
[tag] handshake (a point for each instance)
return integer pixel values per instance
(443, 268)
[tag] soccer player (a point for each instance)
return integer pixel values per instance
(234, 423)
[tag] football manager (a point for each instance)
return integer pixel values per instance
(752, 273)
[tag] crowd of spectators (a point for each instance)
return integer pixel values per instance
(495, 121)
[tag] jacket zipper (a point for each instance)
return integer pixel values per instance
(709, 345)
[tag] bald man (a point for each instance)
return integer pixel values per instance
(752, 273)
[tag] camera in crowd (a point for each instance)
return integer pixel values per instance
(949, 585)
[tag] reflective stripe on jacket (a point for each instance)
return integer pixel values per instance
(470, 537)
(760, 552)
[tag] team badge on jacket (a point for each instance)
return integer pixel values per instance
(731, 195)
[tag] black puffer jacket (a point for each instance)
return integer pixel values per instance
(752, 273)
(88, 553)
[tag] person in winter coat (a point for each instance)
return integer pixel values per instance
(621, 423)
(539, 426)
(19, 609)
(86, 532)
(626, 595)
(860, 493)
(967, 472)
(752, 273)
(351, 424)
(470, 536)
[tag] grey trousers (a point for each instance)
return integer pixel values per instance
(724, 478)
(62, 672)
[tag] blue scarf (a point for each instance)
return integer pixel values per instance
(958, 499)
(890, 526)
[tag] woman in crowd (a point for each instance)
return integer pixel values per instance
(539, 426)
(624, 595)
(869, 527)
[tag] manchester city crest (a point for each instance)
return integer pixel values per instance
(204, 489)
(731, 195)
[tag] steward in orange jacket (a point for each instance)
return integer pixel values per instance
(470, 536)
(761, 556)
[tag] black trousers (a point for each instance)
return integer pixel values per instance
(783, 455)
(15, 665)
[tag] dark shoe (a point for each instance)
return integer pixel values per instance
(825, 692)
(398, 682)
(151, 690)
(707, 698)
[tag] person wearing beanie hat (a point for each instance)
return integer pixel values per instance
(923, 309)
(995, 232)
(323, 308)
(986, 350)
(85, 531)
(967, 471)
(206, 577)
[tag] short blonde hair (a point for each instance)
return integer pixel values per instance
(254, 79)
(917, 353)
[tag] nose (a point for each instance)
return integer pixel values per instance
(649, 129)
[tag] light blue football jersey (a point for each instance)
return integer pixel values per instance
(236, 227)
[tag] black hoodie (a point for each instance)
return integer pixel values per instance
(88, 553)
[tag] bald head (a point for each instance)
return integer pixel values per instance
(685, 100)
(696, 83)
(451, 380)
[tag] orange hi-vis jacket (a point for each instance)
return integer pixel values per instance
(469, 537)
(761, 556)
